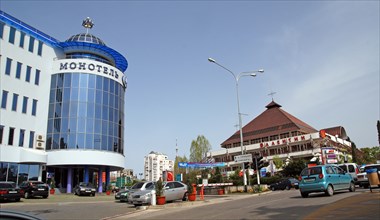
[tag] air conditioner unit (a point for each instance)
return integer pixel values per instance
(40, 145)
(40, 138)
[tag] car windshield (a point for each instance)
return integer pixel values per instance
(311, 171)
(138, 185)
(85, 184)
(7, 185)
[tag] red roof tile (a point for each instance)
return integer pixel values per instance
(271, 122)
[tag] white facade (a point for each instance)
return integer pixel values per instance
(155, 165)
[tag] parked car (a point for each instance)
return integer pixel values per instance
(84, 188)
(34, 188)
(352, 169)
(362, 176)
(122, 195)
(9, 191)
(173, 190)
(325, 178)
(138, 187)
(283, 184)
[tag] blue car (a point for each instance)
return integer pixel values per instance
(325, 178)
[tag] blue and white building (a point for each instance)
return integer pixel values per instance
(61, 106)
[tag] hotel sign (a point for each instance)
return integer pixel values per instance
(283, 141)
(88, 66)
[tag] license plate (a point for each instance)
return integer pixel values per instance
(88, 191)
(309, 180)
(41, 189)
(12, 191)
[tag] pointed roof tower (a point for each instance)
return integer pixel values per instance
(273, 121)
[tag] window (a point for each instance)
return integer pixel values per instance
(18, 70)
(1, 133)
(34, 107)
(21, 138)
(25, 104)
(28, 71)
(39, 52)
(4, 99)
(31, 44)
(10, 137)
(8, 67)
(14, 102)
(22, 39)
(1, 29)
(37, 78)
(31, 139)
(12, 33)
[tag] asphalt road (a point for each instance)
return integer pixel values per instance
(273, 205)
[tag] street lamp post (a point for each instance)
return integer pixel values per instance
(237, 77)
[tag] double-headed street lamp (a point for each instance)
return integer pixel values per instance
(237, 77)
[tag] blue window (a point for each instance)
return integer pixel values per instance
(22, 39)
(34, 107)
(31, 44)
(37, 78)
(39, 52)
(31, 139)
(28, 71)
(12, 33)
(11, 136)
(8, 67)
(4, 99)
(18, 70)
(14, 103)
(21, 138)
(25, 104)
(1, 29)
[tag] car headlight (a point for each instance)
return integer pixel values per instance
(82, 189)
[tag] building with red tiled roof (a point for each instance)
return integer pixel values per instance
(276, 133)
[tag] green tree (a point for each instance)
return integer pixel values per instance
(199, 148)
(294, 168)
(370, 155)
(278, 162)
(176, 168)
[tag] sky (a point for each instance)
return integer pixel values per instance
(321, 58)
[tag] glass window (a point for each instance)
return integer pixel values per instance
(22, 39)
(28, 71)
(73, 109)
(21, 138)
(90, 110)
(89, 125)
(83, 80)
(89, 141)
(31, 44)
(67, 80)
(11, 135)
(14, 102)
(80, 141)
(31, 139)
(1, 29)
(4, 99)
(8, 67)
(83, 95)
(81, 125)
(75, 80)
(91, 81)
(34, 107)
(18, 70)
(12, 33)
(39, 52)
(1, 133)
(65, 109)
(25, 104)
(37, 79)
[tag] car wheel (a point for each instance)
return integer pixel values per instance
(287, 188)
(27, 195)
(329, 190)
(185, 196)
(44, 197)
(93, 194)
(273, 189)
(304, 195)
(352, 187)
(17, 200)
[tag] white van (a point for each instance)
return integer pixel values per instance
(352, 169)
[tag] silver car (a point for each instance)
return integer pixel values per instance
(139, 187)
(173, 190)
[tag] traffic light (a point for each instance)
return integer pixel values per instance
(246, 165)
(253, 165)
(260, 162)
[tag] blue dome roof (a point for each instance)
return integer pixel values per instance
(85, 37)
